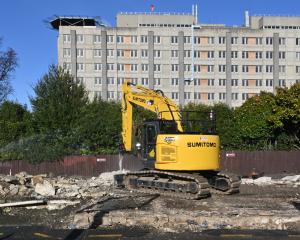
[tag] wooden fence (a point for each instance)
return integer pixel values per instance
(240, 162)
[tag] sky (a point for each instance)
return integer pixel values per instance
(23, 26)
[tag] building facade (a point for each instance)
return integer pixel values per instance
(190, 62)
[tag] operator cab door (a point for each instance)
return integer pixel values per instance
(149, 136)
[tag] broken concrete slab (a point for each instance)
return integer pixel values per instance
(45, 188)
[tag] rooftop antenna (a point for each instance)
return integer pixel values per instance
(193, 10)
(247, 19)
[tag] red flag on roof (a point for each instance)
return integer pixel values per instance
(152, 8)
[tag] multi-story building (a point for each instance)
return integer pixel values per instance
(190, 62)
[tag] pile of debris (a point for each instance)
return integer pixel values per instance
(41, 186)
(263, 181)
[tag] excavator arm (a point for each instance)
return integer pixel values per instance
(152, 100)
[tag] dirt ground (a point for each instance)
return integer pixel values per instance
(255, 207)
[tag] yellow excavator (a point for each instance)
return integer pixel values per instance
(181, 153)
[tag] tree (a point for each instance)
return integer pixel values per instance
(286, 117)
(58, 101)
(15, 122)
(8, 63)
(252, 122)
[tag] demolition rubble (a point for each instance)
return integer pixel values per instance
(78, 202)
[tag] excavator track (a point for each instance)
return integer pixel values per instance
(171, 184)
(232, 181)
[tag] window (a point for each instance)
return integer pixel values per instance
(98, 80)
(134, 39)
(281, 41)
(157, 53)
(145, 81)
(281, 55)
(97, 52)
(79, 52)
(222, 68)
(210, 68)
(67, 52)
(197, 82)
(298, 55)
(211, 40)
(222, 96)
(269, 40)
(211, 96)
(120, 53)
(187, 95)
(245, 96)
(211, 82)
(197, 40)
(174, 95)
(258, 68)
(110, 52)
(269, 82)
(222, 40)
(187, 67)
(245, 68)
(269, 55)
(187, 53)
(145, 67)
(97, 66)
(174, 67)
(244, 40)
(210, 54)
(245, 82)
(258, 82)
(234, 96)
(157, 68)
(258, 55)
(110, 66)
(245, 54)
(297, 69)
(234, 68)
(197, 68)
(222, 54)
(67, 66)
(120, 39)
(174, 81)
(259, 41)
(133, 53)
(197, 95)
(133, 67)
(197, 54)
(110, 94)
(282, 83)
(97, 38)
(134, 80)
(80, 67)
(110, 80)
(156, 81)
(298, 41)
(157, 39)
(234, 54)
(269, 68)
(67, 38)
(110, 38)
(120, 67)
(144, 39)
(120, 81)
(234, 82)
(144, 53)
(187, 39)
(97, 94)
(281, 69)
(79, 38)
(222, 82)
(174, 39)
(234, 40)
